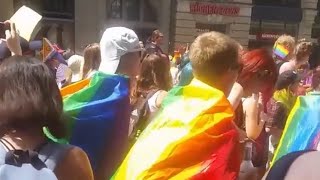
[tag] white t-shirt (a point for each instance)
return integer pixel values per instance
(152, 103)
(287, 66)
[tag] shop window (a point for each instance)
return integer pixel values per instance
(255, 27)
(202, 28)
(291, 29)
(266, 32)
(274, 28)
(286, 3)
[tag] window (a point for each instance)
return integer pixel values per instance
(273, 27)
(202, 28)
(133, 10)
(116, 9)
(58, 8)
(287, 3)
(255, 27)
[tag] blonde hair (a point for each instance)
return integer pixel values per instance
(212, 54)
(286, 40)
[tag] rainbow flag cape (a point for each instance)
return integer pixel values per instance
(192, 137)
(280, 51)
(302, 130)
(94, 108)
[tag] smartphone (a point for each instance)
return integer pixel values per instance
(3, 28)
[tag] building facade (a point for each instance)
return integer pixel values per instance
(253, 23)
(76, 23)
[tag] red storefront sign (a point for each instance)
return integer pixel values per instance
(268, 36)
(209, 8)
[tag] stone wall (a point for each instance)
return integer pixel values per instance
(309, 12)
(6, 9)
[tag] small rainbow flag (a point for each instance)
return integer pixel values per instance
(94, 108)
(192, 137)
(280, 51)
(302, 131)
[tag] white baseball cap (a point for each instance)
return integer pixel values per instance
(116, 42)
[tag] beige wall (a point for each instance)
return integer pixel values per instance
(86, 23)
(6, 9)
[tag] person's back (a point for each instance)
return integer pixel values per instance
(31, 101)
(195, 125)
(120, 56)
(153, 82)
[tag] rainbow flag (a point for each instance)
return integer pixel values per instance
(302, 131)
(95, 109)
(280, 51)
(192, 137)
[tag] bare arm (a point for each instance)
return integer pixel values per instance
(252, 110)
(75, 166)
(13, 39)
(160, 98)
(235, 95)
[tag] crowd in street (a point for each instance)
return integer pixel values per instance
(126, 110)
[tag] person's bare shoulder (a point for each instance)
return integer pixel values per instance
(74, 166)
(160, 98)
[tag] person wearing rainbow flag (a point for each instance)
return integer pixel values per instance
(98, 108)
(193, 135)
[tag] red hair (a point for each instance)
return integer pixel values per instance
(257, 61)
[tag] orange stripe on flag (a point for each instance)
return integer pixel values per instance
(74, 87)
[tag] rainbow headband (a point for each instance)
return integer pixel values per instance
(280, 51)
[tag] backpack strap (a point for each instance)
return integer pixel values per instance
(51, 153)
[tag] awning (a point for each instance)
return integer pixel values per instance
(276, 13)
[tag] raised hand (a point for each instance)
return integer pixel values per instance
(13, 39)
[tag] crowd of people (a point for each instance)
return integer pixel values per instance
(215, 104)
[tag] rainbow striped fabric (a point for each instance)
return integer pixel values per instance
(94, 108)
(192, 137)
(302, 131)
(280, 51)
